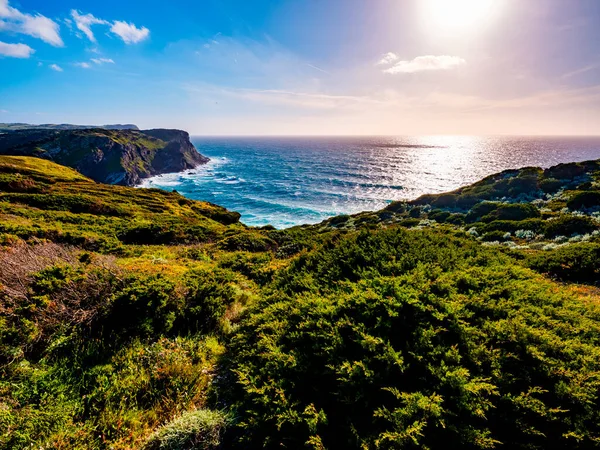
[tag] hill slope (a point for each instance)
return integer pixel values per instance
(109, 156)
(136, 318)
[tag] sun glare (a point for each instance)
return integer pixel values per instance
(459, 15)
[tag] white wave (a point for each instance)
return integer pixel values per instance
(203, 172)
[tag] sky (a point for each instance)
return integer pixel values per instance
(305, 67)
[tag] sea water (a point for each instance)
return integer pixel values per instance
(287, 181)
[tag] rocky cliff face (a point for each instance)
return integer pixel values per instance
(108, 156)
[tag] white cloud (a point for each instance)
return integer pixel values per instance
(426, 63)
(129, 32)
(84, 23)
(15, 50)
(83, 65)
(388, 58)
(37, 26)
(101, 61)
(56, 67)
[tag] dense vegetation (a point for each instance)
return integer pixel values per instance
(134, 318)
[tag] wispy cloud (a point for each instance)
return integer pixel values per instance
(581, 70)
(56, 67)
(37, 26)
(388, 58)
(15, 50)
(101, 61)
(426, 64)
(279, 97)
(129, 33)
(317, 68)
(84, 23)
(83, 65)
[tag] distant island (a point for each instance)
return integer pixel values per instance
(108, 155)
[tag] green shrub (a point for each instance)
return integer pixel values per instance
(456, 219)
(472, 358)
(579, 263)
(589, 199)
(248, 242)
(480, 210)
(201, 429)
(467, 201)
(208, 294)
(535, 225)
(444, 201)
(567, 225)
(515, 211)
(415, 212)
(145, 306)
(438, 215)
(255, 267)
(339, 220)
(550, 185)
(493, 236)
(527, 184)
(409, 223)
(163, 234)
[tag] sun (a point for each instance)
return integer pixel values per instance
(459, 15)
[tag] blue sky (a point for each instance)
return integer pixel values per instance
(305, 66)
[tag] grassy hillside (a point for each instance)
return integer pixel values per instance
(135, 318)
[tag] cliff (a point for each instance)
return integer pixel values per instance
(108, 156)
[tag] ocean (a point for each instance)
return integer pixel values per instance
(287, 181)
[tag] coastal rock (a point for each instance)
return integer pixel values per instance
(121, 157)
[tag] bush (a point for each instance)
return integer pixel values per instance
(201, 429)
(589, 199)
(471, 358)
(579, 263)
(208, 295)
(493, 236)
(515, 211)
(567, 225)
(339, 220)
(511, 226)
(145, 306)
(527, 184)
(550, 185)
(456, 219)
(254, 267)
(163, 234)
(409, 223)
(444, 201)
(248, 242)
(480, 210)
(438, 215)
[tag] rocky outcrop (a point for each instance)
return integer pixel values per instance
(122, 157)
